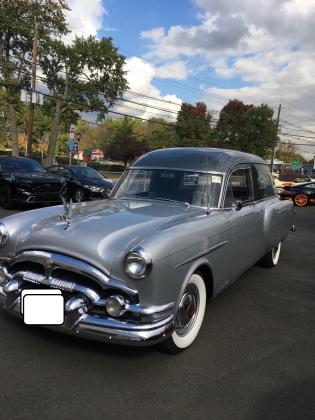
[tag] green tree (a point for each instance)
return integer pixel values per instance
(193, 125)
(247, 128)
(16, 35)
(160, 134)
(288, 152)
(77, 74)
(125, 146)
(231, 123)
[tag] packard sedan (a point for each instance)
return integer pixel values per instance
(180, 226)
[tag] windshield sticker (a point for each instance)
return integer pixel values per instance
(216, 179)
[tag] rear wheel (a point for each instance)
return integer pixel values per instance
(300, 200)
(6, 197)
(271, 259)
(189, 316)
(79, 195)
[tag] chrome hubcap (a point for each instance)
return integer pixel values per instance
(79, 196)
(188, 310)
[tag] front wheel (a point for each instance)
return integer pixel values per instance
(189, 316)
(271, 259)
(79, 195)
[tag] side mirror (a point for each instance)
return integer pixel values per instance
(237, 205)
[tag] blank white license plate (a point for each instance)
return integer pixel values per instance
(41, 309)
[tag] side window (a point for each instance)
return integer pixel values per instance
(239, 188)
(64, 171)
(263, 183)
(311, 186)
(53, 170)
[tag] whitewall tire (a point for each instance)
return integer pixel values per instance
(189, 316)
(271, 259)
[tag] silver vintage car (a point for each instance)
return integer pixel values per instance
(180, 226)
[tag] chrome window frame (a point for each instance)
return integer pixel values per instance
(235, 168)
(274, 189)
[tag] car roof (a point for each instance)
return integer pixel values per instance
(196, 159)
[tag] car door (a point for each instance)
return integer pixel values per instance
(246, 219)
(277, 215)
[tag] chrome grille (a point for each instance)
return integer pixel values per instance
(65, 273)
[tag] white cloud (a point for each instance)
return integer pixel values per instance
(173, 70)
(85, 17)
(140, 75)
(268, 46)
(155, 34)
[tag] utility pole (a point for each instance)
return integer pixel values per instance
(273, 157)
(32, 105)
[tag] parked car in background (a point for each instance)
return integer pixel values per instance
(288, 180)
(180, 227)
(83, 183)
(24, 180)
(301, 195)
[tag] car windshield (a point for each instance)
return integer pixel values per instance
(22, 165)
(195, 188)
(85, 172)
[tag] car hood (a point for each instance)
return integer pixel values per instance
(102, 183)
(101, 231)
(35, 177)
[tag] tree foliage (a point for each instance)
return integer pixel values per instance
(193, 125)
(86, 75)
(17, 22)
(288, 152)
(125, 146)
(247, 128)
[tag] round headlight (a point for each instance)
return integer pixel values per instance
(4, 235)
(138, 263)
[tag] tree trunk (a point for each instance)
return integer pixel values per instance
(13, 129)
(54, 134)
(60, 108)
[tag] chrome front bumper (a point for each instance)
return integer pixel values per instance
(102, 329)
(85, 303)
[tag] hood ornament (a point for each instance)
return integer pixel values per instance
(67, 204)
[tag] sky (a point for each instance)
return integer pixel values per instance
(258, 51)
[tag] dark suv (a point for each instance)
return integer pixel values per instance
(26, 181)
(83, 183)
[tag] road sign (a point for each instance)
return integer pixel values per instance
(72, 127)
(97, 154)
(75, 148)
(71, 135)
(78, 137)
(295, 164)
(70, 144)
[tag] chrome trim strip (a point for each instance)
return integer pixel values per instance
(207, 251)
(97, 322)
(55, 283)
(72, 264)
(141, 310)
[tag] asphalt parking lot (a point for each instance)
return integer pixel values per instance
(254, 358)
